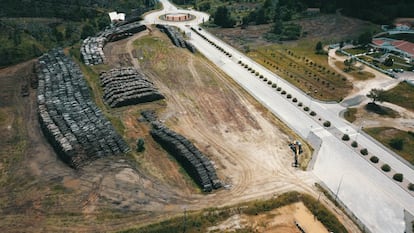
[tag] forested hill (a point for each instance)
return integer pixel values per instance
(28, 28)
(70, 9)
(376, 11)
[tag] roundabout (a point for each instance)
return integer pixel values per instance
(171, 15)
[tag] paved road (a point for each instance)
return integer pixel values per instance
(374, 198)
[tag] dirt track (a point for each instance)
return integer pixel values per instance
(247, 144)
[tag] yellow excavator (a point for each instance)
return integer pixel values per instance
(296, 147)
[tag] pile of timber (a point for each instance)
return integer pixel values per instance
(92, 47)
(196, 164)
(126, 86)
(176, 37)
(70, 120)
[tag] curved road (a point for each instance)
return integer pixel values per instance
(377, 200)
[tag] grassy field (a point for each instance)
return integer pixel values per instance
(402, 95)
(302, 67)
(355, 72)
(200, 221)
(350, 113)
(389, 136)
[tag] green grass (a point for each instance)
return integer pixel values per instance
(385, 135)
(350, 114)
(381, 110)
(358, 75)
(355, 51)
(402, 95)
(303, 68)
(200, 221)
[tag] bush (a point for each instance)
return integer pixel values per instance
(398, 177)
(300, 104)
(397, 143)
(364, 151)
(327, 124)
(306, 108)
(312, 113)
(279, 89)
(386, 168)
(374, 159)
(265, 79)
(269, 82)
(289, 96)
(274, 85)
(257, 73)
(354, 144)
(345, 137)
(411, 187)
(261, 76)
(283, 92)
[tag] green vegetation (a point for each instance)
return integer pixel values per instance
(350, 114)
(400, 94)
(411, 186)
(400, 139)
(381, 110)
(354, 144)
(374, 159)
(303, 68)
(356, 72)
(345, 137)
(398, 177)
(30, 28)
(386, 168)
(364, 151)
(200, 221)
(327, 124)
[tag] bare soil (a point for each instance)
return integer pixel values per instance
(248, 145)
(279, 220)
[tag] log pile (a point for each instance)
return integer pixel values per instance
(92, 47)
(196, 164)
(176, 37)
(74, 125)
(126, 86)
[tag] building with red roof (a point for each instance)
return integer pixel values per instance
(402, 47)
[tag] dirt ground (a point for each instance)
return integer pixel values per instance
(248, 145)
(279, 220)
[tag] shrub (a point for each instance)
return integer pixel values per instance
(411, 187)
(312, 113)
(249, 69)
(345, 137)
(240, 62)
(386, 168)
(246, 66)
(279, 89)
(374, 159)
(261, 76)
(265, 79)
(306, 108)
(289, 96)
(398, 177)
(257, 73)
(364, 151)
(274, 85)
(300, 104)
(327, 124)
(354, 144)
(397, 143)
(294, 100)
(283, 92)
(269, 82)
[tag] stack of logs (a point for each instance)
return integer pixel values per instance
(92, 47)
(176, 37)
(197, 165)
(126, 86)
(74, 125)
